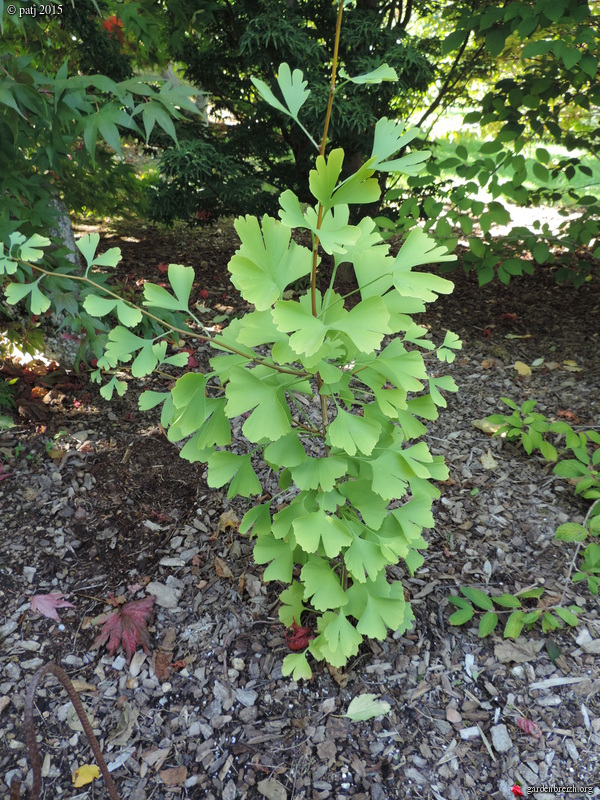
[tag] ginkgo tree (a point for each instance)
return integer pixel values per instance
(355, 476)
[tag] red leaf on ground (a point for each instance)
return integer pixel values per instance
(127, 626)
(297, 638)
(508, 317)
(47, 604)
(532, 728)
(203, 294)
(163, 267)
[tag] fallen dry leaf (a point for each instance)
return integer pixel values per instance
(227, 519)
(522, 368)
(519, 651)
(85, 774)
(530, 727)
(222, 569)
(488, 461)
(47, 604)
(487, 363)
(160, 664)
(127, 626)
(572, 366)
(341, 678)
(175, 776)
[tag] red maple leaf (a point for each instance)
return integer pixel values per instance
(114, 27)
(517, 791)
(47, 604)
(127, 626)
(297, 638)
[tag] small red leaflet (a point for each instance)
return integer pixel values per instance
(297, 638)
(47, 604)
(532, 728)
(127, 626)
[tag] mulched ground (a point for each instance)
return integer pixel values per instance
(96, 502)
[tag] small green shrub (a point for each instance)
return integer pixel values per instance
(357, 484)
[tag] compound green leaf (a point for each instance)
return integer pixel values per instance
(353, 434)
(266, 261)
(296, 665)
(224, 467)
(278, 554)
(319, 472)
(322, 585)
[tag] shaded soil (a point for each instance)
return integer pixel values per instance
(97, 502)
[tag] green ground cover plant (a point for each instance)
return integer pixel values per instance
(357, 476)
(578, 460)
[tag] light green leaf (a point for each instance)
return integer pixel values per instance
(372, 507)
(287, 451)
(296, 665)
(149, 399)
(189, 400)
(323, 179)
(354, 434)
(567, 616)
(87, 246)
(364, 558)
(181, 279)
(487, 624)
(366, 324)
(382, 73)
(113, 385)
(420, 249)
(389, 138)
(322, 584)
(292, 608)
(259, 389)
(337, 641)
(318, 528)
(290, 315)
(315, 472)
(514, 625)
(507, 601)
(378, 605)
(477, 597)
(266, 261)
(280, 555)
(571, 532)
(224, 467)
(30, 249)
(366, 706)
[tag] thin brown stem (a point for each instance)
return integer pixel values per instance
(164, 323)
(315, 251)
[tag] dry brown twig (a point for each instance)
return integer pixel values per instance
(32, 747)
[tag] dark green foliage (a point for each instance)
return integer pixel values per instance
(258, 151)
